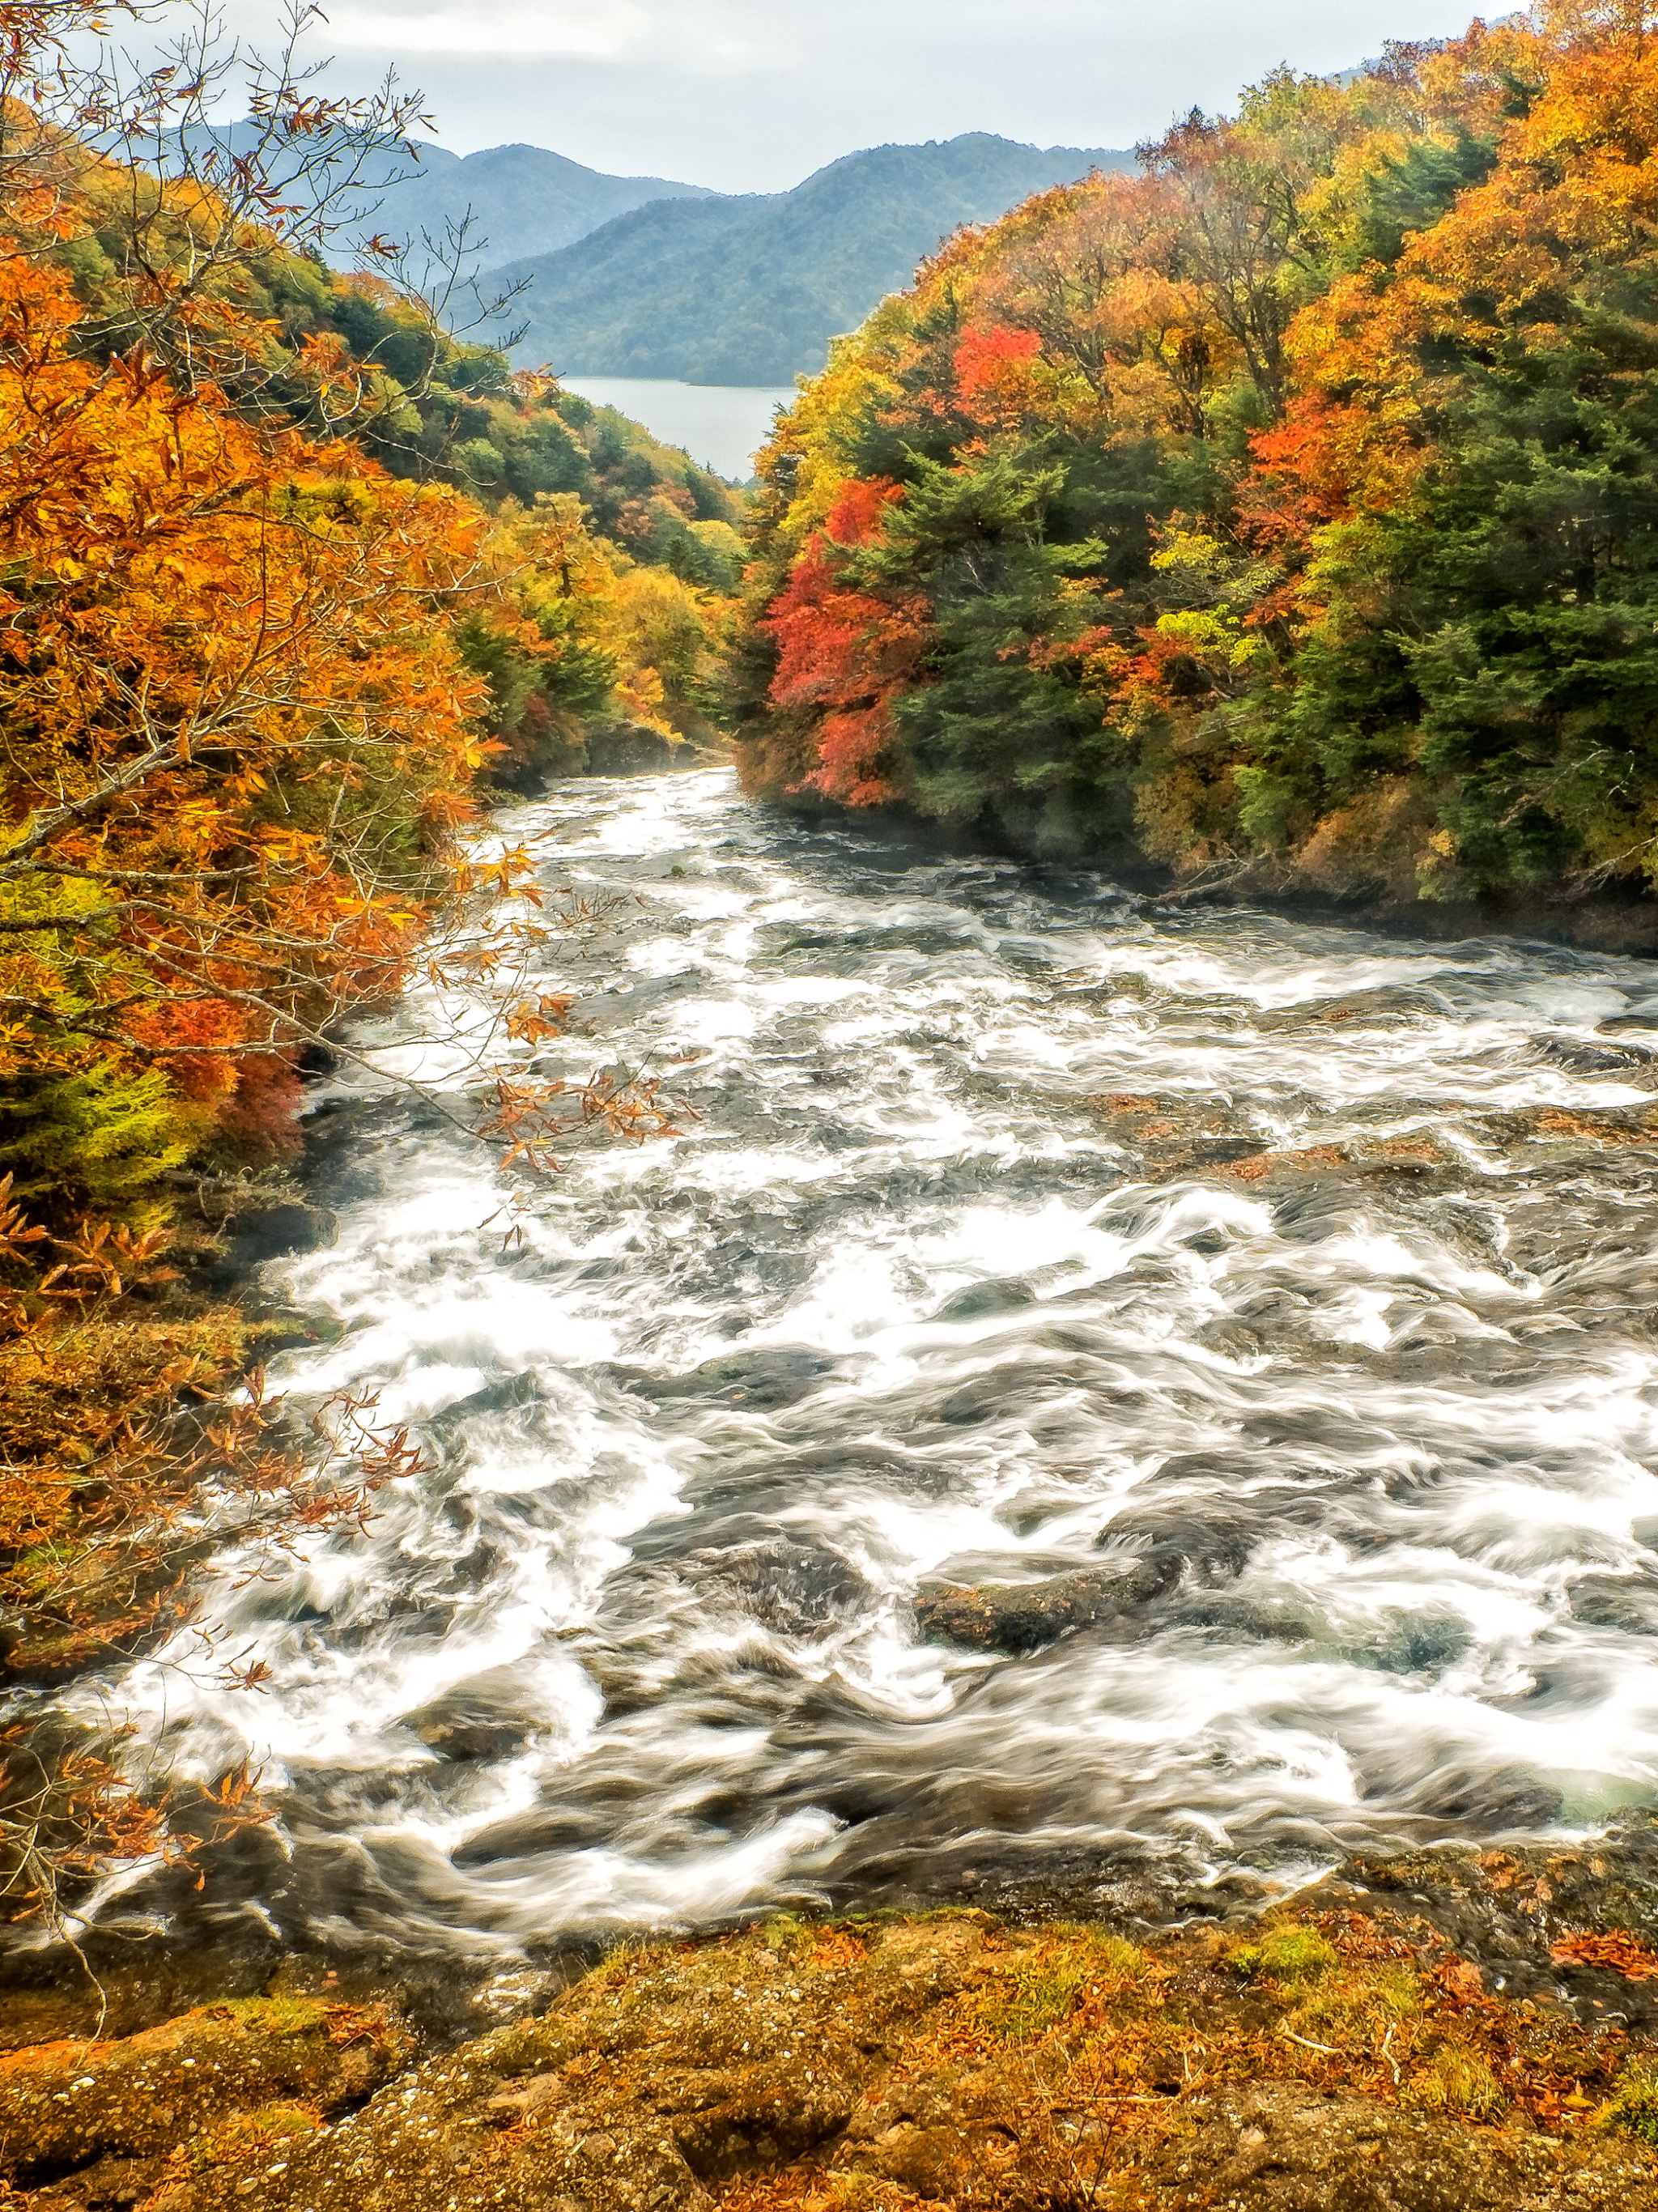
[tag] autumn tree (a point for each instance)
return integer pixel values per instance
(1279, 512)
(254, 689)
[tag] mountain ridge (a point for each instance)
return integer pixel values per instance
(523, 198)
(749, 288)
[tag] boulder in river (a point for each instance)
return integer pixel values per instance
(1024, 1616)
(487, 1717)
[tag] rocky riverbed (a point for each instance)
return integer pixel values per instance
(1141, 1418)
(1457, 2031)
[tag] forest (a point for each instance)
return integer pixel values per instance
(747, 289)
(1281, 516)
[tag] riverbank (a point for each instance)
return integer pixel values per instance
(98, 1396)
(1619, 917)
(1340, 2056)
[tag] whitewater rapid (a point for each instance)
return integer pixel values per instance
(963, 1276)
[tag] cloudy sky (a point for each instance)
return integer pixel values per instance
(750, 95)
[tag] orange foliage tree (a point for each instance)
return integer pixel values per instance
(246, 692)
(231, 724)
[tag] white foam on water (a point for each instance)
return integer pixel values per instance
(899, 1309)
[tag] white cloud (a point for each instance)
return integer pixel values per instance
(716, 34)
(751, 95)
(569, 28)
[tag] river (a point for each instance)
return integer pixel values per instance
(970, 1273)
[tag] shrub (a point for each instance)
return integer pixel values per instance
(1633, 2105)
(1287, 1953)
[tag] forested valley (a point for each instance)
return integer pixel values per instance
(826, 1363)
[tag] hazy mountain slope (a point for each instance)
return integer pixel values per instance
(749, 290)
(523, 199)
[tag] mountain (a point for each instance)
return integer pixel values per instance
(523, 199)
(751, 289)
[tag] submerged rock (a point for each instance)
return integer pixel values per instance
(1024, 1616)
(487, 1717)
(260, 1225)
(765, 1381)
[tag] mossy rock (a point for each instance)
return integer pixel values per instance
(1327, 2061)
(1018, 1617)
(1287, 1953)
(62, 2104)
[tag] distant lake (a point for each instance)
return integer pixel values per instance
(721, 425)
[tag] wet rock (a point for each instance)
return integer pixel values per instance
(258, 1233)
(1521, 1912)
(485, 1718)
(345, 1142)
(1024, 1616)
(139, 1984)
(1212, 1152)
(959, 2060)
(467, 1735)
(272, 1329)
(1616, 1601)
(981, 1300)
(543, 1829)
(1489, 1801)
(663, 2071)
(507, 1394)
(791, 1587)
(618, 1007)
(765, 1380)
(1209, 1539)
(1585, 1059)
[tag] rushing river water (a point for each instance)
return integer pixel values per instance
(971, 1273)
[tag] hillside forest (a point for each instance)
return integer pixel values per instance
(749, 288)
(293, 582)
(1282, 515)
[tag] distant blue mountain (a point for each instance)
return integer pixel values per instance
(717, 289)
(523, 199)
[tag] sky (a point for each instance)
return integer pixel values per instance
(751, 95)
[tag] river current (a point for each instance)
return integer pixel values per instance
(1302, 1277)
